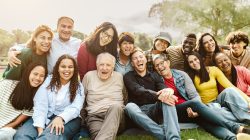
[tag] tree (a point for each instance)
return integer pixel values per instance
(5, 42)
(79, 35)
(218, 17)
(143, 41)
(20, 36)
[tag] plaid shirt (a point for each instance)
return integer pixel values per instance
(149, 55)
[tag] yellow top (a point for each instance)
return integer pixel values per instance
(208, 90)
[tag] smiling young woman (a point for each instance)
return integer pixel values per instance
(16, 100)
(57, 104)
(36, 50)
(104, 39)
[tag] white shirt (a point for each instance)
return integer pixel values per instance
(58, 48)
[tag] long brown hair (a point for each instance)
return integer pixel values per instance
(93, 42)
(23, 94)
(201, 48)
(55, 83)
(202, 73)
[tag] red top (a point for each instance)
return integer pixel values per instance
(170, 84)
(85, 60)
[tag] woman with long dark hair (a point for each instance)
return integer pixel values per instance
(207, 46)
(16, 101)
(57, 104)
(206, 81)
(104, 39)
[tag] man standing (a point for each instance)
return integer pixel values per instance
(151, 102)
(104, 98)
(62, 43)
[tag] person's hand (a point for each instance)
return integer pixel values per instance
(191, 113)
(39, 131)
(13, 60)
(166, 96)
(58, 125)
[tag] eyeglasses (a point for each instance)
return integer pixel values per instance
(159, 64)
(105, 33)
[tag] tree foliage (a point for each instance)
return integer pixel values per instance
(218, 17)
(143, 41)
(5, 42)
(20, 36)
(79, 35)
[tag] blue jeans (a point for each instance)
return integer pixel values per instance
(29, 132)
(230, 98)
(208, 119)
(146, 117)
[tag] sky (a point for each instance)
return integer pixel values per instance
(126, 15)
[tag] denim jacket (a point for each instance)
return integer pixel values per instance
(45, 104)
(185, 85)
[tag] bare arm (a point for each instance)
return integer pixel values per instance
(21, 118)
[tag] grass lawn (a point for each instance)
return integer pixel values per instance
(191, 134)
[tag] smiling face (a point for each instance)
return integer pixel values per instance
(223, 62)
(162, 67)
(37, 76)
(161, 45)
(194, 62)
(139, 61)
(106, 36)
(209, 44)
(188, 45)
(237, 48)
(66, 70)
(65, 29)
(105, 67)
(126, 48)
(43, 42)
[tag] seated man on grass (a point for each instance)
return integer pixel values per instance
(104, 98)
(145, 107)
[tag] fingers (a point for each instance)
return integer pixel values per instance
(57, 125)
(59, 129)
(13, 60)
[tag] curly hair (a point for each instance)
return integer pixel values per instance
(55, 83)
(236, 37)
(93, 42)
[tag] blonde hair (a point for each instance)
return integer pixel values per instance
(31, 42)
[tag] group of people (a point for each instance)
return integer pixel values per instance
(57, 87)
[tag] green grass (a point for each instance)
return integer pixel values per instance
(196, 134)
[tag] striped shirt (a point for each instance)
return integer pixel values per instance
(7, 112)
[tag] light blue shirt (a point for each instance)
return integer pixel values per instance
(58, 48)
(45, 104)
(121, 68)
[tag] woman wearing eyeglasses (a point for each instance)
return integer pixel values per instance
(104, 39)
